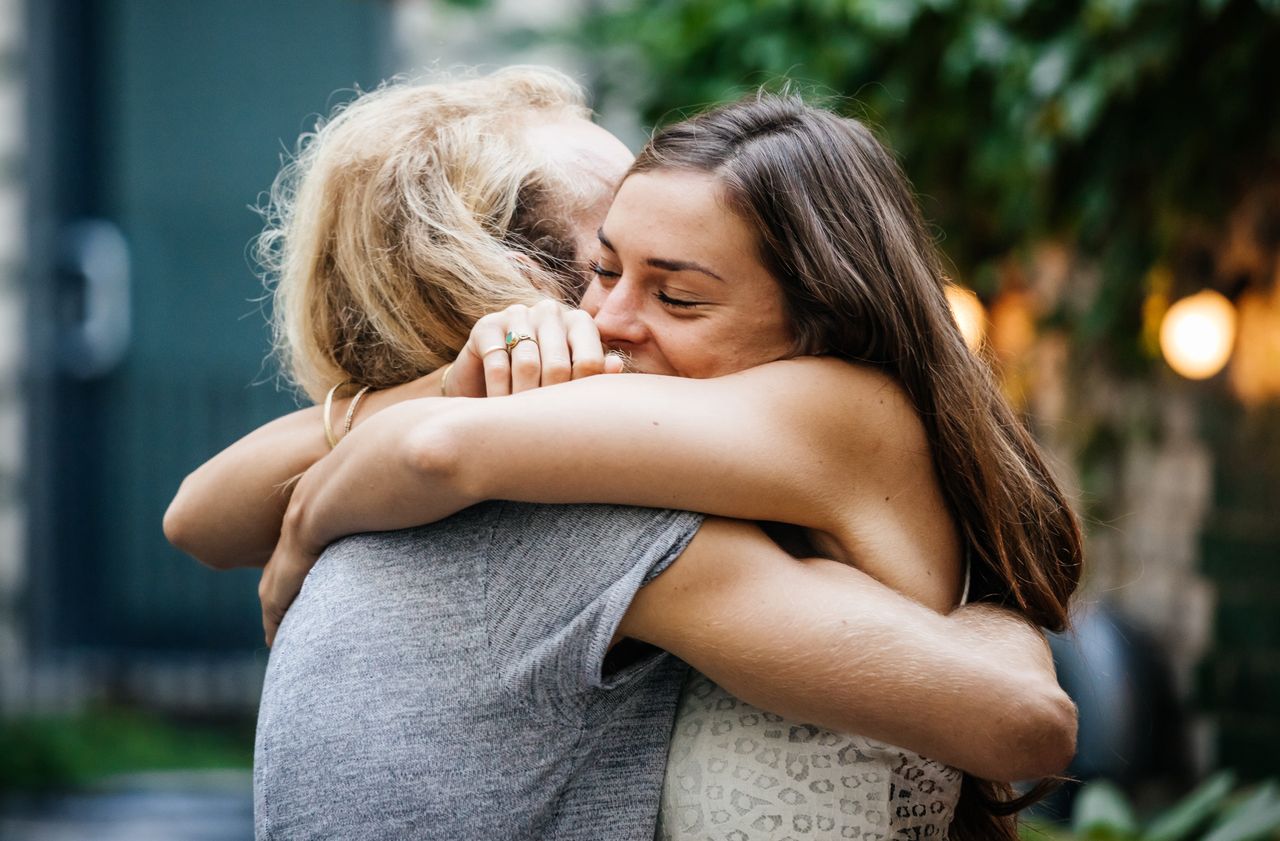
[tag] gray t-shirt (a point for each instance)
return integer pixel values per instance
(450, 682)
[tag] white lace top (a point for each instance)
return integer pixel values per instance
(738, 773)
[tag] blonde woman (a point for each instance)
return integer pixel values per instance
(977, 666)
(402, 220)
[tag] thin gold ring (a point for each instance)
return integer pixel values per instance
(514, 339)
(444, 380)
(488, 351)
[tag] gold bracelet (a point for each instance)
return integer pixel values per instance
(351, 410)
(444, 380)
(328, 408)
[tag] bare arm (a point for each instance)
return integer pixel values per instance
(821, 642)
(227, 513)
(802, 441)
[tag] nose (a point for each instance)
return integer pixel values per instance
(618, 313)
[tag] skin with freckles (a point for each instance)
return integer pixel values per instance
(684, 293)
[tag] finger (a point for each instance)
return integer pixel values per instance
(277, 592)
(271, 617)
(614, 363)
(584, 345)
(524, 359)
(465, 377)
(553, 348)
(264, 591)
(488, 345)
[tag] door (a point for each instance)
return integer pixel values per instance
(156, 126)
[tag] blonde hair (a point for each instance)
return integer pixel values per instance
(408, 214)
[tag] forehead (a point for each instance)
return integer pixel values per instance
(682, 215)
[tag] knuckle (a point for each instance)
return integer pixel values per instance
(557, 370)
(525, 365)
(584, 325)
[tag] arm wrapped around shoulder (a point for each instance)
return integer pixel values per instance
(822, 642)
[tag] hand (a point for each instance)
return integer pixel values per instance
(283, 576)
(567, 347)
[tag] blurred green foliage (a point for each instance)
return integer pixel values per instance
(1113, 125)
(62, 752)
(1213, 812)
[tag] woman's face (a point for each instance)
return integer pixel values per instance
(679, 286)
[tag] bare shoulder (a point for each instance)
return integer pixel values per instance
(865, 406)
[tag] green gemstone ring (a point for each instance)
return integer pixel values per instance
(514, 339)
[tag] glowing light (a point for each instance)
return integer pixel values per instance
(1013, 324)
(1255, 367)
(969, 315)
(1197, 334)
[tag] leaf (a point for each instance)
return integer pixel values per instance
(1257, 817)
(1192, 811)
(1101, 808)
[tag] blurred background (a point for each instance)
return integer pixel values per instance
(1103, 176)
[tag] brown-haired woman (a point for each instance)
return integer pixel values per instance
(761, 231)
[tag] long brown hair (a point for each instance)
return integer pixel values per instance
(840, 230)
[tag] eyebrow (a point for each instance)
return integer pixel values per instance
(663, 263)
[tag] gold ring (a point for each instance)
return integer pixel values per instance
(514, 339)
(488, 351)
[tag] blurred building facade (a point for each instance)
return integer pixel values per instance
(13, 336)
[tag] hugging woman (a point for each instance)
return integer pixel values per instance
(498, 675)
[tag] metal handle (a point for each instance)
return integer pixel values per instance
(94, 260)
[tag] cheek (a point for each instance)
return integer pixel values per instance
(744, 342)
(701, 349)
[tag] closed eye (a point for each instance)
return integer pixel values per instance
(676, 302)
(600, 270)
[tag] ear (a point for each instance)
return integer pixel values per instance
(528, 266)
(538, 275)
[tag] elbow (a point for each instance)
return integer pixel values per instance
(433, 451)
(1042, 735)
(178, 525)
(1055, 734)
(182, 530)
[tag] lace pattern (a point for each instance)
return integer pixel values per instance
(738, 773)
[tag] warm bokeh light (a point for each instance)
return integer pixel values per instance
(1013, 324)
(1197, 334)
(969, 314)
(1255, 367)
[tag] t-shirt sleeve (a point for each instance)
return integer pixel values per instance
(560, 579)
